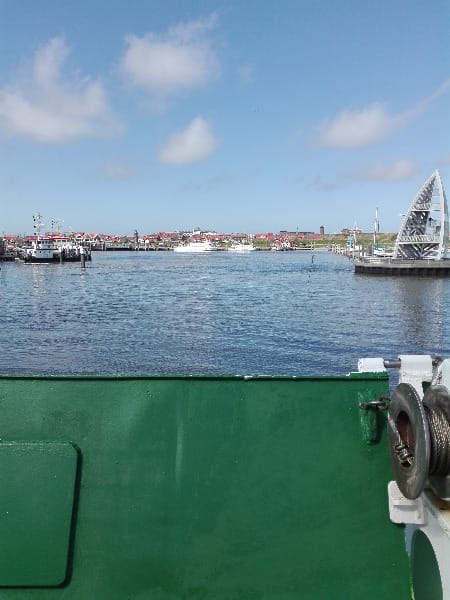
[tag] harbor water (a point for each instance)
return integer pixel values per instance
(261, 313)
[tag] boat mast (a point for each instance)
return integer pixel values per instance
(352, 238)
(56, 226)
(376, 228)
(38, 224)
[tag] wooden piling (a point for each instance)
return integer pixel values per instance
(82, 258)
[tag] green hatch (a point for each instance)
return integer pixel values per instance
(37, 482)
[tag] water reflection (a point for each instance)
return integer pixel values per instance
(419, 303)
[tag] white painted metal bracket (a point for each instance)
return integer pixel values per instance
(415, 369)
(402, 510)
(371, 365)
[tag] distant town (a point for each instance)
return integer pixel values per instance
(168, 240)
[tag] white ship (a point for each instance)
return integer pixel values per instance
(195, 247)
(242, 247)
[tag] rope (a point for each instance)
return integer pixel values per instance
(440, 440)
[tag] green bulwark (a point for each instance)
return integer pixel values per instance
(211, 488)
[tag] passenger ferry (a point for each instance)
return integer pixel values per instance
(195, 247)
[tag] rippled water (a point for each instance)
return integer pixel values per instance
(260, 313)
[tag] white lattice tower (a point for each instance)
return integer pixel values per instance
(424, 230)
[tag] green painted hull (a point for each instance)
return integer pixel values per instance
(195, 487)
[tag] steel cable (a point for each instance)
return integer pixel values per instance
(440, 440)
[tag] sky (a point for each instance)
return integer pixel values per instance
(234, 116)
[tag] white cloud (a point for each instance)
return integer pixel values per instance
(177, 62)
(400, 170)
(354, 129)
(371, 124)
(192, 145)
(48, 106)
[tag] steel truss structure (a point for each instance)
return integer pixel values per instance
(424, 230)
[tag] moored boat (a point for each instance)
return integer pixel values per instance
(382, 252)
(50, 249)
(41, 250)
(241, 247)
(196, 247)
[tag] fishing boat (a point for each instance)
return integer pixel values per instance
(70, 251)
(227, 486)
(52, 249)
(39, 250)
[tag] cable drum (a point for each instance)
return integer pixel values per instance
(437, 409)
(419, 440)
(409, 440)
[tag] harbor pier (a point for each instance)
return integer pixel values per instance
(392, 266)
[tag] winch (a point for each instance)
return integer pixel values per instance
(419, 440)
(418, 434)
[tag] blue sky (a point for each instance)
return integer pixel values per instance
(234, 116)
